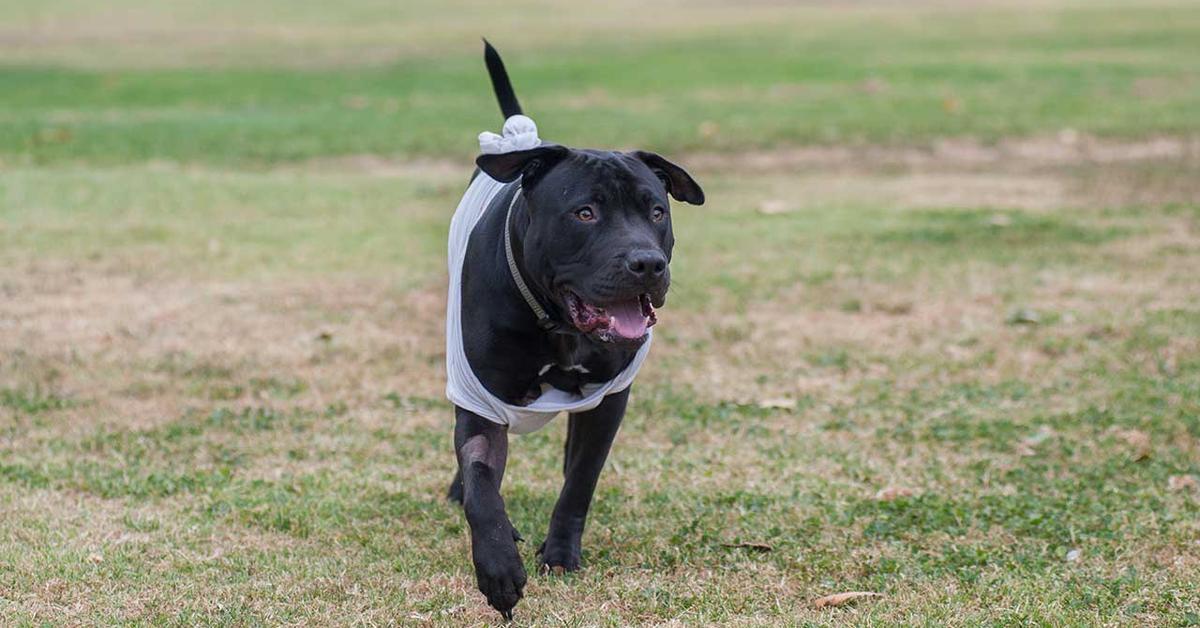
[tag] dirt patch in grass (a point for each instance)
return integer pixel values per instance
(154, 347)
(1068, 170)
(825, 339)
(376, 165)
(809, 190)
(1068, 148)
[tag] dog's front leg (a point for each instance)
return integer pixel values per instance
(482, 448)
(589, 437)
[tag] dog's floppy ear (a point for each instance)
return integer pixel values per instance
(679, 183)
(530, 164)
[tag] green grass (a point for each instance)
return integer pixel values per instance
(885, 75)
(31, 401)
(221, 280)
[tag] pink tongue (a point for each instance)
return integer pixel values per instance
(627, 319)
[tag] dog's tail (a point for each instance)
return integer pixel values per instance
(500, 83)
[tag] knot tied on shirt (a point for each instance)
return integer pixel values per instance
(519, 133)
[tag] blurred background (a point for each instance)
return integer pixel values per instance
(936, 333)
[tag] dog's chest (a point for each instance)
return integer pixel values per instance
(569, 364)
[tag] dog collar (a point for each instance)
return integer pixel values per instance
(544, 322)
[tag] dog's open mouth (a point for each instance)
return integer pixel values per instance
(620, 321)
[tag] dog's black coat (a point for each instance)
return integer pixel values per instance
(620, 252)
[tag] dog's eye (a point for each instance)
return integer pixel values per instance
(657, 214)
(585, 214)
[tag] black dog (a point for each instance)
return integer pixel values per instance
(560, 279)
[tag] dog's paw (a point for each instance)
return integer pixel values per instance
(500, 577)
(559, 555)
(502, 584)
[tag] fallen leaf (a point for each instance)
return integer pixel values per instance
(895, 308)
(1138, 441)
(1023, 316)
(1182, 482)
(780, 403)
(55, 588)
(757, 547)
(893, 492)
(95, 559)
(841, 599)
(774, 206)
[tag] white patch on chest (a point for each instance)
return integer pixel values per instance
(574, 367)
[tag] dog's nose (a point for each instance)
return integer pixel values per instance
(646, 264)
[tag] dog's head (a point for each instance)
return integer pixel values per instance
(599, 234)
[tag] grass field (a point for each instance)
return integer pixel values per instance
(936, 333)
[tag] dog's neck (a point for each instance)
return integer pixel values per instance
(516, 223)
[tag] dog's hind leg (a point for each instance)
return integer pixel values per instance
(482, 448)
(589, 438)
(455, 492)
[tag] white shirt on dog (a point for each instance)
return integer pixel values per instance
(463, 387)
